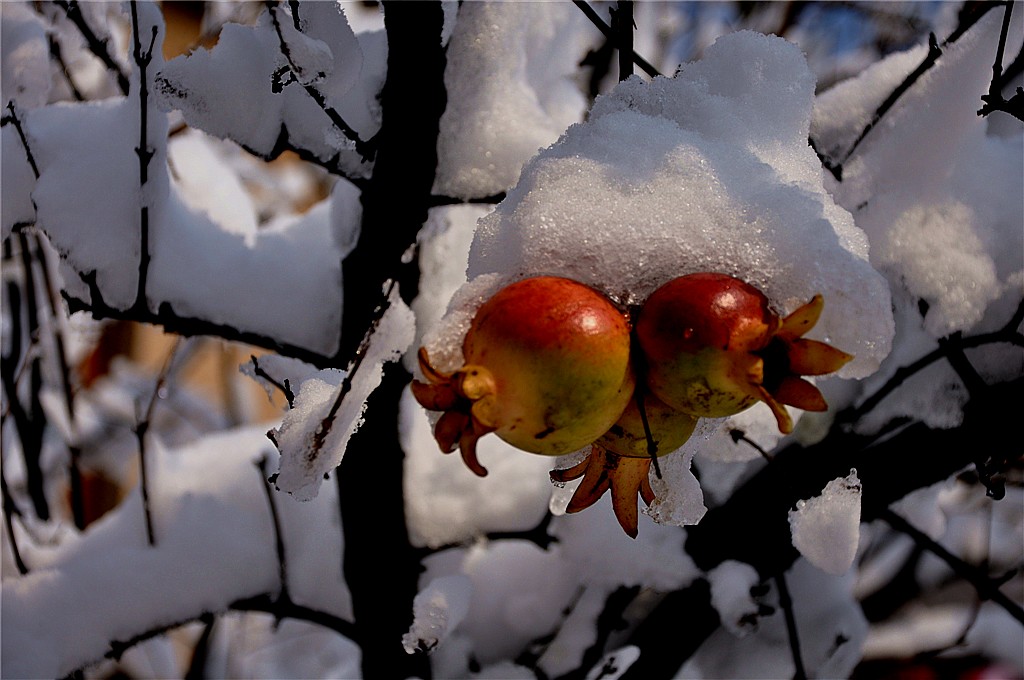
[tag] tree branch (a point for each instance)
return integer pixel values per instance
(994, 100)
(412, 101)
(284, 386)
(786, 603)
(166, 317)
(282, 565)
(265, 603)
(622, 28)
(987, 588)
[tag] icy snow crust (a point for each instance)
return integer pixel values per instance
(706, 171)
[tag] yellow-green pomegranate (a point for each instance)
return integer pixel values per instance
(547, 368)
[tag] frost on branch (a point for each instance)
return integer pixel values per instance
(826, 528)
(329, 408)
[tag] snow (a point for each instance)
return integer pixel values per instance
(826, 528)
(678, 498)
(208, 184)
(24, 55)
(437, 610)
(577, 634)
(329, 408)
(459, 505)
(214, 545)
(81, 150)
(511, 90)
(614, 664)
(928, 185)
(829, 621)
(731, 584)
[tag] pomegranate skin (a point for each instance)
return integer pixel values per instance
(557, 356)
(699, 335)
(669, 429)
(547, 368)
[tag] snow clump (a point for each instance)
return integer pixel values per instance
(826, 528)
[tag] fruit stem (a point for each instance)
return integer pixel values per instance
(640, 367)
(652, 446)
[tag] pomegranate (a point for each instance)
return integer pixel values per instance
(713, 347)
(620, 460)
(547, 368)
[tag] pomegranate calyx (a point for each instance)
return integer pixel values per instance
(459, 425)
(626, 477)
(788, 356)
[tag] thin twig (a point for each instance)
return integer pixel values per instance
(35, 417)
(143, 151)
(21, 135)
(622, 27)
(60, 355)
(282, 568)
(264, 602)
(956, 343)
(786, 602)
(437, 200)
(934, 52)
(741, 436)
(140, 434)
(10, 508)
(596, 19)
(652, 446)
(97, 46)
(284, 386)
(994, 100)
(57, 56)
(320, 436)
(985, 586)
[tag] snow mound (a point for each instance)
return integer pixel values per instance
(706, 171)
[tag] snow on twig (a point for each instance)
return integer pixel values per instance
(96, 45)
(364, 148)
